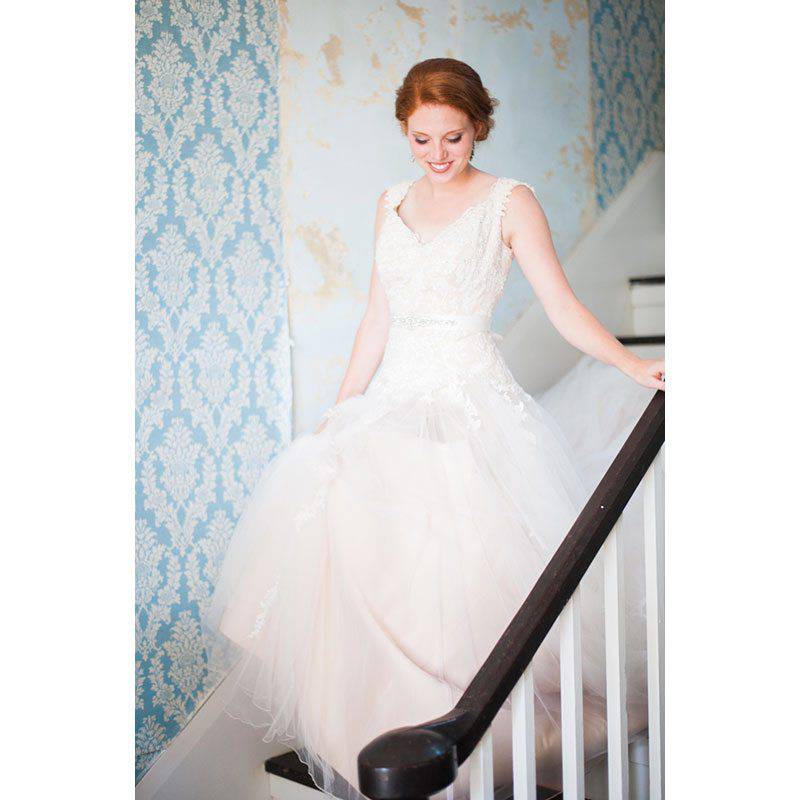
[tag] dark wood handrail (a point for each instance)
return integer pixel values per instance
(419, 760)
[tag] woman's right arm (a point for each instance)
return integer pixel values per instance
(372, 332)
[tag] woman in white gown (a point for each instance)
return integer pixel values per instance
(380, 558)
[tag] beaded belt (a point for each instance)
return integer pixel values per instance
(470, 323)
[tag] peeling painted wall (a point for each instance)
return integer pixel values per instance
(341, 146)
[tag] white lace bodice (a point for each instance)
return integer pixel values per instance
(441, 294)
(461, 270)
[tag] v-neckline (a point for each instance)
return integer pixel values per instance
(449, 225)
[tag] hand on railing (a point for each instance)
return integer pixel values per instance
(648, 372)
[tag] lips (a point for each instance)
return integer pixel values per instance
(439, 166)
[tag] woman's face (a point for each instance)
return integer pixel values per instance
(441, 140)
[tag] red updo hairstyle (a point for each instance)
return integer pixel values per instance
(449, 82)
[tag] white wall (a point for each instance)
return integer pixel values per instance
(215, 757)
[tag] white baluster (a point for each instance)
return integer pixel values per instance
(523, 738)
(481, 778)
(613, 571)
(654, 593)
(572, 700)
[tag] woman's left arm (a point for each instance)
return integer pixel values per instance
(526, 231)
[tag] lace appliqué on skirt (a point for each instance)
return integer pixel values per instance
(264, 606)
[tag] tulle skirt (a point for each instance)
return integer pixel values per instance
(378, 562)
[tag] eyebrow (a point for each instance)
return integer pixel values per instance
(422, 133)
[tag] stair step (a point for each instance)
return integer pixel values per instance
(542, 793)
(646, 279)
(630, 341)
(647, 301)
(648, 321)
(647, 295)
(291, 768)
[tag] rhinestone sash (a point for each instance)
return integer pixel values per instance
(468, 323)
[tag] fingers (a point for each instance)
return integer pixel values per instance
(652, 376)
(656, 371)
(651, 381)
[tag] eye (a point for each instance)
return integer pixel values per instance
(454, 140)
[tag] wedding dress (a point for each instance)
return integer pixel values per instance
(378, 561)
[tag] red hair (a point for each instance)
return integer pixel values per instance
(449, 82)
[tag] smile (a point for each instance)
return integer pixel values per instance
(442, 166)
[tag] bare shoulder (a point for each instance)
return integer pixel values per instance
(523, 215)
(522, 197)
(521, 205)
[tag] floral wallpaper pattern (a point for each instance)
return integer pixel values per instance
(627, 50)
(213, 384)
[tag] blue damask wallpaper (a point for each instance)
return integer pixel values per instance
(627, 49)
(213, 390)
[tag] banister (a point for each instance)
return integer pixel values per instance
(417, 761)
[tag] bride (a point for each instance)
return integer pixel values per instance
(380, 558)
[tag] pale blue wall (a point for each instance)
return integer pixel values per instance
(342, 146)
(627, 45)
(212, 357)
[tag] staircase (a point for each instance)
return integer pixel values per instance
(419, 761)
(288, 779)
(416, 762)
(646, 300)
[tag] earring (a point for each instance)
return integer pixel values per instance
(471, 155)
(413, 159)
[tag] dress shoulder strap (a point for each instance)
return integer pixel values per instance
(504, 189)
(395, 194)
